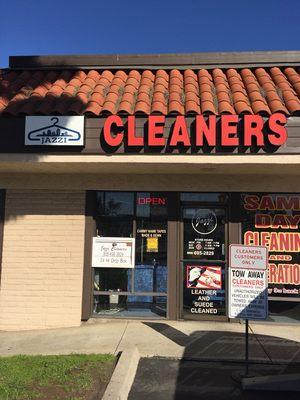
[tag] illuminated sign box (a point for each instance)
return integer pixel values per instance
(54, 131)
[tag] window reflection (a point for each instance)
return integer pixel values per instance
(111, 279)
(205, 197)
(130, 306)
(115, 211)
(114, 227)
(284, 311)
(115, 203)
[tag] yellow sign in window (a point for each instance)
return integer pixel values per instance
(152, 245)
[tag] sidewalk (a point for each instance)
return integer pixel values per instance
(176, 339)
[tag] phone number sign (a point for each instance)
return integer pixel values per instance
(113, 252)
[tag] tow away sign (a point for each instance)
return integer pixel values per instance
(248, 282)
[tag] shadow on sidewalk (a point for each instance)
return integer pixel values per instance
(210, 358)
(230, 346)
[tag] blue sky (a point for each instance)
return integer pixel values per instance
(30, 27)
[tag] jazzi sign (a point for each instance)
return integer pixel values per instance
(248, 282)
(54, 131)
(113, 252)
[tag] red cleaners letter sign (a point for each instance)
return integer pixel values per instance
(226, 133)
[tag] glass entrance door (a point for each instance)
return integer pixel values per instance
(203, 262)
(139, 292)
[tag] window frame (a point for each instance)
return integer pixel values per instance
(134, 220)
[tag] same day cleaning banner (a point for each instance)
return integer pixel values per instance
(273, 220)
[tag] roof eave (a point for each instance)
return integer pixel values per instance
(158, 61)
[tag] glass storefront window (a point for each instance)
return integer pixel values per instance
(284, 311)
(151, 243)
(111, 279)
(266, 219)
(130, 306)
(272, 220)
(114, 204)
(204, 197)
(115, 211)
(143, 215)
(109, 304)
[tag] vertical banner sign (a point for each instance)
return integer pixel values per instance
(248, 282)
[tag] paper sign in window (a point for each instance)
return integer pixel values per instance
(152, 245)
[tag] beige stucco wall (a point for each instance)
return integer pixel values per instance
(176, 182)
(43, 248)
(231, 164)
(251, 172)
(42, 264)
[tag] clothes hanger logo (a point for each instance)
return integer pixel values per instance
(58, 132)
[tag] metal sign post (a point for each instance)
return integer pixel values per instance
(247, 348)
(248, 287)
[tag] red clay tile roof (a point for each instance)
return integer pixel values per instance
(99, 92)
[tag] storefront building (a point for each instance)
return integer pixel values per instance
(185, 154)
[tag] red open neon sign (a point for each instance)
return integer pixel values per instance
(153, 201)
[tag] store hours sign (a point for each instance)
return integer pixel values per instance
(113, 252)
(204, 233)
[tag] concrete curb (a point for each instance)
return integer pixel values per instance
(284, 382)
(123, 376)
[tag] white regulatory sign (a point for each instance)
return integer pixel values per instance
(248, 282)
(113, 252)
(248, 293)
(253, 257)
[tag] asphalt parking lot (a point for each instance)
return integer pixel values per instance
(169, 379)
